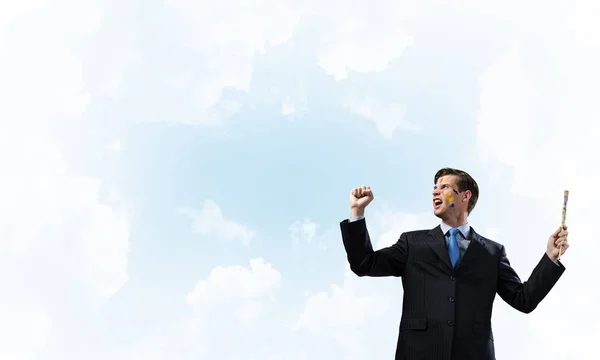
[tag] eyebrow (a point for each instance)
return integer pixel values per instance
(446, 185)
(440, 185)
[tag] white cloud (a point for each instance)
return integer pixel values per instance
(345, 314)
(328, 312)
(38, 63)
(242, 290)
(239, 30)
(209, 221)
(303, 230)
(516, 16)
(292, 108)
(506, 121)
(388, 117)
(541, 129)
(115, 145)
(361, 37)
(308, 232)
(68, 248)
(547, 154)
(395, 223)
(287, 107)
(45, 206)
(24, 330)
(228, 305)
(53, 230)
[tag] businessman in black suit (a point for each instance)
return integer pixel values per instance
(450, 274)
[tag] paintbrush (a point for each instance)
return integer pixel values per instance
(564, 218)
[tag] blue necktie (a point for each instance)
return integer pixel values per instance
(453, 250)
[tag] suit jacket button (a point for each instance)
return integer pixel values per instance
(451, 299)
(450, 323)
(452, 278)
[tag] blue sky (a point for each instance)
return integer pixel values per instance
(174, 172)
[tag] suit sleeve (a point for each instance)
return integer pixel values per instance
(363, 260)
(526, 296)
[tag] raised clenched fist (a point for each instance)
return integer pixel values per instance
(360, 197)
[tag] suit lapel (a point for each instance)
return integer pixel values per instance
(474, 251)
(438, 244)
(437, 241)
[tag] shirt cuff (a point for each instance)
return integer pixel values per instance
(355, 218)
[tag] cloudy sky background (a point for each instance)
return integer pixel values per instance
(174, 172)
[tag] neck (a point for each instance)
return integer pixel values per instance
(455, 220)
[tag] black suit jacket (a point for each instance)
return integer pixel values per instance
(446, 312)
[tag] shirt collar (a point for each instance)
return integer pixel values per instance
(464, 229)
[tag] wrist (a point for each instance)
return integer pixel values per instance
(552, 256)
(355, 212)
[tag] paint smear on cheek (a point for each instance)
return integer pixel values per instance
(449, 197)
(456, 192)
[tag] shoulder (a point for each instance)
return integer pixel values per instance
(491, 244)
(416, 234)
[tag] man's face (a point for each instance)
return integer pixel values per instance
(446, 198)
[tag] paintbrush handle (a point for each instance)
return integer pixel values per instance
(564, 217)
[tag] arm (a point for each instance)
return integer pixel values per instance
(526, 296)
(363, 260)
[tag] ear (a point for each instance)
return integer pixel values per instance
(467, 196)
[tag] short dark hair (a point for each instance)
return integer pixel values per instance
(465, 182)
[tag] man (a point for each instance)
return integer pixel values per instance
(450, 274)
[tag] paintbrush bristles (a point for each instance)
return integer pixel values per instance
(564, 209)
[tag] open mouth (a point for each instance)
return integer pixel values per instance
(437, 202)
